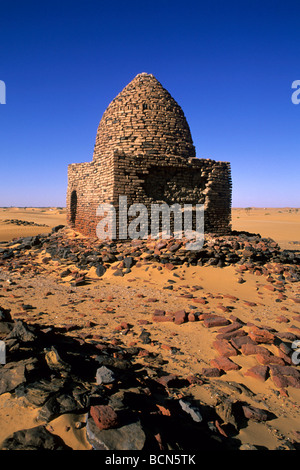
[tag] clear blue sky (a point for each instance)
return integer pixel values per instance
(229, 64)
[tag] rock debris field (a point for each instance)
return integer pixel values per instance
(144, 345)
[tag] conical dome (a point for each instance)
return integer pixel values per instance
(144, 120)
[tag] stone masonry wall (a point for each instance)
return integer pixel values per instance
(144, 150)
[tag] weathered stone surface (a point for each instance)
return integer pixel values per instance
(37, 438)
(191, 410)
(104, 416)
(215, 321)
(180, 317)
(285, 376)
(255, 414)
(229, 329)
(248, 349)
(128, 437)
(261, 335)
(58, 405)
(224, 363)
(5, 315)
(258, 372)
(226, 411)
(269, 359)
(55, 362)
(211, 372)
(22, 332)
(37, 393)
(238, 342)
(224, 348)
(11, 376)
(143, 136)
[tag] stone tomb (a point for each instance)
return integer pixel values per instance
(144, 151)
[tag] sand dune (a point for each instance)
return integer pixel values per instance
(49, 216)
(283, 224)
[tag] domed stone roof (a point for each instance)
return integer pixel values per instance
(144, 120)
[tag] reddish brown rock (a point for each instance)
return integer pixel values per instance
(285, 376)
(224, 348)
(269, 359)
(168, 380)
(280, 381)
(143, 353)
(258, 372)
(223, 309)
(250, 304)
(159, 312)
(162, 318)
(231, 297)
(270, 288)
(204, 316)
(282, 319)
(285, 370)
(124, 326)
(232, 334)
(192, 317)
(211, 372)
(237, 342)
(200, 301)
(228, 329)
(169, 266)
(249, 349)
(256, 414)
(285, 356)
(186, 296)
(261, 335)
(180, 317)
(194, 380)
(164, 411)
(143, 322)
(224, 363)
(104, 416)
(215, 320)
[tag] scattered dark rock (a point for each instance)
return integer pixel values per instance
(37, 438)
(127, 437)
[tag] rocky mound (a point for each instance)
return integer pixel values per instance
(241, 248)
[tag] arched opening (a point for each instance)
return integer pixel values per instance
(73, 207)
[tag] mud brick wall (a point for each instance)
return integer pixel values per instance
(144, 150)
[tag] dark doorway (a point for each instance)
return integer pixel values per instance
(73, 207)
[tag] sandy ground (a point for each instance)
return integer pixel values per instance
(49, 216)
(109, 300)
(283, 225)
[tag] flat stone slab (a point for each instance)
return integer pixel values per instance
(215, 321)
(128, 437)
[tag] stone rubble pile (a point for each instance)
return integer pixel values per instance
(126, 405)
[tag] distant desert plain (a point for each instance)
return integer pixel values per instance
(281, 224)
(119, 308)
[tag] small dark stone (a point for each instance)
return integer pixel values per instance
(100, 270)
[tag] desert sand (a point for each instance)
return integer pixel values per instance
(101, 304)
(43, 219)
(281, 224)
